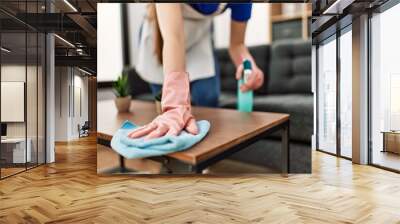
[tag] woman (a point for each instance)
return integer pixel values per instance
(182, 59)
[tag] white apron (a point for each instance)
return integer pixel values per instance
(198, 44)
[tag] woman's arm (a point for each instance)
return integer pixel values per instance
(175, 103)
(171, 25)
(238, 51)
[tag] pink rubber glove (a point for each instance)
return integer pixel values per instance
(176, 110)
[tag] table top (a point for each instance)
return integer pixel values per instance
(397, 132)
(228, 127)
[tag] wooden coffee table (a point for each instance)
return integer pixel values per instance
(231, 131)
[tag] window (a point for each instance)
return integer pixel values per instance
(327, 96)
(334, 106)
(346, 92)
(385, 88)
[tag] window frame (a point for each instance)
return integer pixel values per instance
(333, 37)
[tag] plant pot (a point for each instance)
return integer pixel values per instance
(158, 106)
(123, 103)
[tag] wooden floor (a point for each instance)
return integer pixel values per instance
(10, 171)
(70, 191)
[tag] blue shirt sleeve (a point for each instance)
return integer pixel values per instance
(240, 12)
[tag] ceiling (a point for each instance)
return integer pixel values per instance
(74, 22)
(332, 15)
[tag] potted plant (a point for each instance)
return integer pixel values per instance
(158, 102)
(121, 90)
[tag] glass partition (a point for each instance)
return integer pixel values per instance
(22, 77)
(14, 153)
(31, 97)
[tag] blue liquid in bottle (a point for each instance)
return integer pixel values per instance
(245, 99)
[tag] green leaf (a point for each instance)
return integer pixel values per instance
(121, 86)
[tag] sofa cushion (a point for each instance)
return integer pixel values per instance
(299, 106)
(137, 85)
(290, 67)
(227, 70)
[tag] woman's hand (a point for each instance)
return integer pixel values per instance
(255, 79)
(171, 122)
(176, 110)
(238, 51)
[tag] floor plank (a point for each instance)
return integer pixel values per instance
(70, 191)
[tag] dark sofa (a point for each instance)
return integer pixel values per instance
(287, 89)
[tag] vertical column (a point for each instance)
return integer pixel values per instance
(92, 102)
(50, 98)
(50, 91)
(360, 90)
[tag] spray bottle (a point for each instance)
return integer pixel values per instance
(245, 99)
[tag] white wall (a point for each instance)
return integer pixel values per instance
(257, 27)
(13, 94)
(80, 83)
(136, 14)
(16, 73)
(61, 103)
(109, 42)
(68, 80)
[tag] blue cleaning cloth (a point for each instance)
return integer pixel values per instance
(139, 148)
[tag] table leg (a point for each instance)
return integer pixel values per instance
(384, 142)
(195, 169)
(285, 149)
(165, 163)
(122, 164)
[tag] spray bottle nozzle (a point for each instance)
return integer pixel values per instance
(246, 64)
